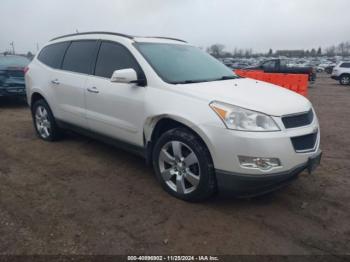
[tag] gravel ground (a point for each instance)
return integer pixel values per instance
(79, 196)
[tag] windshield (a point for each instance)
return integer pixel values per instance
(18, 61)
(183, 64)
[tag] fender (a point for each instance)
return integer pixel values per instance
(151, 123)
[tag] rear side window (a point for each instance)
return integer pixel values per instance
(113, 56)
(346, 65)
(79, 57)
(269, 65)
(52, 55)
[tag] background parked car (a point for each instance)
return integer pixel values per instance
(342, 73)
(12, 75)
(281, 66)
(329, 69)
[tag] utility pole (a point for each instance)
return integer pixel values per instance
(13, 47)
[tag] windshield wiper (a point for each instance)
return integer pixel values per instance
(226, 78)
(205, 80)
(189, 82)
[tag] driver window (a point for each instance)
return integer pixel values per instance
(113, 56)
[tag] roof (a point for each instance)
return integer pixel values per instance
(119, 34)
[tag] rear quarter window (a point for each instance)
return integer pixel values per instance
(80, 56)
(345, 65)
(52, 55)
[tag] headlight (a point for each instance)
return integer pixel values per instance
(238, 118)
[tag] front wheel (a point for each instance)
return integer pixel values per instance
(183, 165)
(344, 80)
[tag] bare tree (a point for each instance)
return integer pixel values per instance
(216, 50)
(313, 52)
(270, 53)
(319, 51)
(330, 51)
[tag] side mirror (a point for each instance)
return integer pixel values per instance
(126, 76)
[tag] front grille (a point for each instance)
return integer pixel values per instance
(304, 143)
(298, 120)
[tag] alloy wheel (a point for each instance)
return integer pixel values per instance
(179, 167)
(345, 80)
(42, 122)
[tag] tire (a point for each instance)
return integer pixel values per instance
(344, 80)
(183, 165)
(44, 122)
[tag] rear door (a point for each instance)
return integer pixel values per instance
(69, 82)
(52, 57)
(115, 109)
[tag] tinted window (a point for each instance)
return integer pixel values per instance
(346, 65)
(270, 65)
(283, 63)
(79, 57)
(52, 55)
(10, 60)
(113, 56)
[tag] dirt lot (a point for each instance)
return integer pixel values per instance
(79, 196)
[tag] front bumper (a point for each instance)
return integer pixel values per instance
(12, 91)
(245, 185)
(226, 146)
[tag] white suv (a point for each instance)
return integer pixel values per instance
(341, 72)
(200, 126)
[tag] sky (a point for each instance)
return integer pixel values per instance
(256, 24)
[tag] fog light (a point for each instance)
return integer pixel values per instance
(263, 163)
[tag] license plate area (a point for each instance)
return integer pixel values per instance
(314, 162)
(16, 90)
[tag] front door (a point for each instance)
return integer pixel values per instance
(115, 109)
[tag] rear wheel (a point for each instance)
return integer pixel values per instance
(344, 80)
(44, 121)
(183, 165)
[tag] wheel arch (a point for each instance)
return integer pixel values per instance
(155, 126)
(35, 96)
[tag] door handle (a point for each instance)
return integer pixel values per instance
(93, 90)
(55, 82)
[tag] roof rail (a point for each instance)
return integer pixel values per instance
(163, 37)
(93, 33)
(117, 34)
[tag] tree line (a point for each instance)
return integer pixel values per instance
(219, 51)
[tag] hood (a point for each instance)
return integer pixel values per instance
(250, 94)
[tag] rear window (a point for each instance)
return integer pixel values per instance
(52, 55)
(13, 61)
(346, 65)
(79, 57)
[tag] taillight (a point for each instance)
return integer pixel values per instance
(26, 69)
